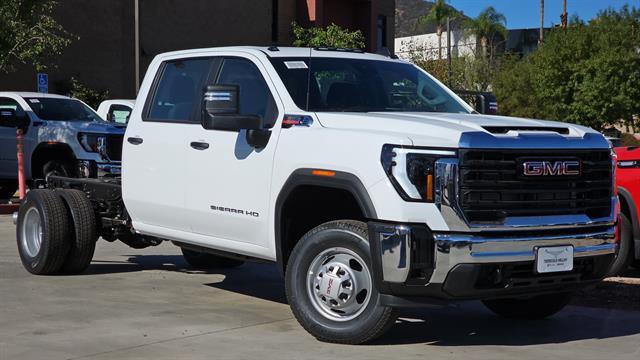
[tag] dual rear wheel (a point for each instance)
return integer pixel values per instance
(56, 232)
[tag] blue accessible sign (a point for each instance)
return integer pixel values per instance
(43, 83)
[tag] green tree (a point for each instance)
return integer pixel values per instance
(90, 96)
(438, 15)
(587, 74)
(29, 34)
(331, 36)
(488, 26)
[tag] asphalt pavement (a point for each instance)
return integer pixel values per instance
(147, 304)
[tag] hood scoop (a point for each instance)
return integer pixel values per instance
(506, 129)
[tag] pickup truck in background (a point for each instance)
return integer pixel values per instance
(62, 136)
(370, 184)
(116, 111)
(628, 182)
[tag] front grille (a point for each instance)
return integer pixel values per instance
(114, 147)
(492, 186)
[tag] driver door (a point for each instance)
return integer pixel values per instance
(230, 181)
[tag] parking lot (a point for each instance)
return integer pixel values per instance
(139, 304)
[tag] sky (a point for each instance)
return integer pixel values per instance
(526, 13)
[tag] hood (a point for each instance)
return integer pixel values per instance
(100, 127)
(451, 130)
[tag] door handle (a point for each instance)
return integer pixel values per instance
(199, 145)
(135, 140)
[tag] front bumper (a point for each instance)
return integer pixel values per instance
(409, 260)
(93, 169)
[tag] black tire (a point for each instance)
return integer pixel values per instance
(57, 168)
(83, 230)
(8, 188)
(49, 208)
(537, 307)
(204, 261)
(375, 318)
(624, 256)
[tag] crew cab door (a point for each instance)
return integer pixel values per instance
(155, 173)
(229, 180)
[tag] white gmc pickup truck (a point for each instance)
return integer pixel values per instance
(370, 184)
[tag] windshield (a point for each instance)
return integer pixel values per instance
(334, 84)
(55, 109)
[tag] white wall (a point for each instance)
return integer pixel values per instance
(461, 45)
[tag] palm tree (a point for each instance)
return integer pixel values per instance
(541, 21)
(438, 15)
(486, 26)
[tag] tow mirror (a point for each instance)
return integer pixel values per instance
(221, 111)
(483, 102)
(8, 118)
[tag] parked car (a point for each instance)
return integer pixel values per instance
(366, 201)
(63, 136)
(628, 182)
(116, 111)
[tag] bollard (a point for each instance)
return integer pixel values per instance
(22, 187)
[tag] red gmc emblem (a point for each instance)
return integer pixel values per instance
(552, 168)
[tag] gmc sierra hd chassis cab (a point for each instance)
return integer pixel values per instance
(368, 182)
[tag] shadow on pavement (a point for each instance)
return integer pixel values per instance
(137, 263)
(471, 324)
(460, 324)
(261, 281)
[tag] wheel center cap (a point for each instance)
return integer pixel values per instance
(330, 286)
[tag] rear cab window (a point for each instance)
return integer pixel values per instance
(176, 97)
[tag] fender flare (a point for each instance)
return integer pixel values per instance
(341, 180)
(628, 199)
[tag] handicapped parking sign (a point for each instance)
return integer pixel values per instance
(43, 83)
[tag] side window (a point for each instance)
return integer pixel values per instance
(8, 103)
(178, 91)
(255, 96)
(119, 114)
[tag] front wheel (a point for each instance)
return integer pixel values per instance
(56, 168)
(329, 285)
(537, 307)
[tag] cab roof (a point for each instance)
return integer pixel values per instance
(26, 94)
(277, 51)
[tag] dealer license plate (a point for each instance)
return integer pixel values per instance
(554, 259)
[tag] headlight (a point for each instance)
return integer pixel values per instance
(93, 142)
(412, 170)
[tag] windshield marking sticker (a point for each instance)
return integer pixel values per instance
(296, 65)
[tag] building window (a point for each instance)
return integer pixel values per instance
(382, 32)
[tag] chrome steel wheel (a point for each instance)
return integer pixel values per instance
(32, 232)
(339, 284)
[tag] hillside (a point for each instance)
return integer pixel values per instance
(407, 13)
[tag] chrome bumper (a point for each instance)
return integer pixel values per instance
(394, 247)
(454, 249)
